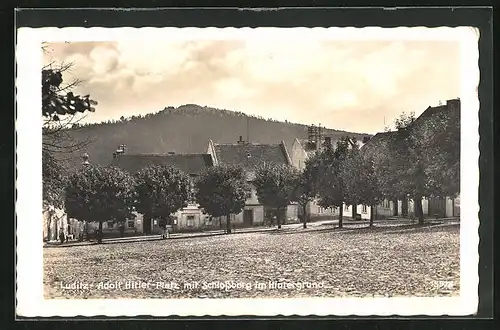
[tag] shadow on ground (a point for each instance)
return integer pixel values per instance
(356, 229)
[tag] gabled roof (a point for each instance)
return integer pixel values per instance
(250, 155)
(381, 140)
(192, 164)
(430, 112)
(431, 124)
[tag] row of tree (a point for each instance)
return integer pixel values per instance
(338, 175)
(411, 165)
(109, 194)
(102, 194)
(420, 159)
(193, 110)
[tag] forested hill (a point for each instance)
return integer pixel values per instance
(185, 129)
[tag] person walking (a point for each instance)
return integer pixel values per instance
(162, 223)
(62, 237)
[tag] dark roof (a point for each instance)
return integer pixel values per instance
(188, 163)
(251, 154)
(432, 111)
(424, 122)
(379, 142)
(380, 138)
(451, 107)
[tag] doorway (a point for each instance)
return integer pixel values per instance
(146, 225)
(248, 218)
(404, 207)
(437, 207)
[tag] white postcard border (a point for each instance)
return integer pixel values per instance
(29, 256)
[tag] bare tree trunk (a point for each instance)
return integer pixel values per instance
(99, 233)
(278, 218)
(49, 229)
(419, 212)
(404, 206)
(341, 213)
(304, 219)
(86, 230)
(354, 210)
(372, 214)
(228, 223)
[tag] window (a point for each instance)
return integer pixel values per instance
(190, 220)
(110, 224)
(364, 209)
(130, 224)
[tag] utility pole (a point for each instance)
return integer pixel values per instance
(318, 137)
(248, 129)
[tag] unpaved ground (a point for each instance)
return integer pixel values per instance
(325, 261)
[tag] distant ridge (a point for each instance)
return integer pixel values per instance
(185, 129)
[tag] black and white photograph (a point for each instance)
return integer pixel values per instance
(266, 171)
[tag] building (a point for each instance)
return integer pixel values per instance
(55, 220)
(250, 156)
(303, 149)
(425, 125)
(188, 218)
(428, 125)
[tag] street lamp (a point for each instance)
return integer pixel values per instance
(85, 164)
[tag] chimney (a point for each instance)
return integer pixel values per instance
(453, 104)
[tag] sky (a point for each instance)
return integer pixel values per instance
(355, 86)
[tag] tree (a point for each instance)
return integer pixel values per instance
(61, 109)
(439, 140)
(405, 120)
(99, 194)
(53, 179)
(352, 153)
(327, 166)
(304, 190)
(275, 185)
(160, 191)
(222, 190)
(361, 183)
(401, 172)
